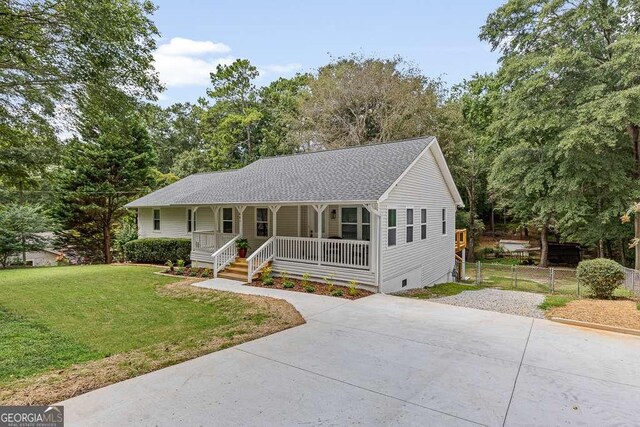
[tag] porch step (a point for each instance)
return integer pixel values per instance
(233, 276)
(240, 269)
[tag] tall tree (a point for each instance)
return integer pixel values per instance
(173, 130)
(107, 166)
(241, 122)
(357, 100)
(20, 228)
(51, 50)
(585, 57)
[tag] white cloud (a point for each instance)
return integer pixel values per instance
(180, 71)
(183, 62)
(179, 46)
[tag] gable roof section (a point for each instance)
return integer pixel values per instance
(355, 174)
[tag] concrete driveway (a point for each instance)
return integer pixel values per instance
(387, 360)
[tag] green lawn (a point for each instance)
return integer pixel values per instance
(51, 318)
(441, 290)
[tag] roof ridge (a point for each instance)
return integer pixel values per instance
(425, 137)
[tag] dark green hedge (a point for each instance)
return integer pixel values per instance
(157, 250)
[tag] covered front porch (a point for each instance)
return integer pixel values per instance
(321, 240)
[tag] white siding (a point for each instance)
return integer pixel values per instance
(421, 262)
(173, 223)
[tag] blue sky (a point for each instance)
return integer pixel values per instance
(284, 37)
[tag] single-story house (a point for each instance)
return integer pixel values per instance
(380, 214)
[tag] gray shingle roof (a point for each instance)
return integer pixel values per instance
(358, 174)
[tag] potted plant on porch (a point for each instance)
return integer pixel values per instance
(242, 245)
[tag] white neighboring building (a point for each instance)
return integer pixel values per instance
(380, 214)
(42, 258)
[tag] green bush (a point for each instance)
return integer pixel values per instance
(602, 276)
(337, 293)
(157, 250)
(289, 284)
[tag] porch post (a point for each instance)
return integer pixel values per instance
(241, 209)
(274, 211)
(373, 244)
(193, 218)
(319, 209)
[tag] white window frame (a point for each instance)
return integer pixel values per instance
(255, 217)
(358, 222)
(192, 220)
(233, 219)
(423, 223)
(407, 225)
(395, 227)
(362, 223)
(153, 220)
(444, 221)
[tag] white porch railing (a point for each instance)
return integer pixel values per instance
(260, 257)
(334, 252)
(209, 241)
(224, 256)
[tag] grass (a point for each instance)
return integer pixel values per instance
(552, 301)
(59, 317)
(441, 290)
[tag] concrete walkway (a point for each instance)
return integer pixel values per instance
(385, 360)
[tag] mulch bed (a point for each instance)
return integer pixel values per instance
(320, 288)
(188, 272)
(622, 313)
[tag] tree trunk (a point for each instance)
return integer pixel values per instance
(472, 221)
(493, 221)
(637, 247)
(106, 245)
(623, 255)
(544, 246)
(634, 136)
(600, 248)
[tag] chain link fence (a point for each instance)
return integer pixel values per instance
(553, 280)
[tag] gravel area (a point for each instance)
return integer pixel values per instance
(510, 302)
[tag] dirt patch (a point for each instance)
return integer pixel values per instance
(318, 288)
(80, 378)
(619, 313)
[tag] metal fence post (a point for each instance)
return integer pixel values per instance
(552, 279)
(478, 273)
(514, 276)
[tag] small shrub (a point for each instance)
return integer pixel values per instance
(353, 288)
(309, 289)
(266, 273)
(193, 273)
(337, 293)
(284, 276)
(305, 279)
(180, 271)
(329, 282)
(180, 263)
(157, 250)
(288, 284)
(169, 265)
(206, 272)
(267, 281)
(602, 276)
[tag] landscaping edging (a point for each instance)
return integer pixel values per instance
(598, 326)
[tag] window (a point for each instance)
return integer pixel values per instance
(423, 224)
(349, 227)
(262, 222)
(409, 225)
(156, 220)
(404, 282)
(227, 220)
(191, 220)
(444, 221)
(366, 224)
(391, 227)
